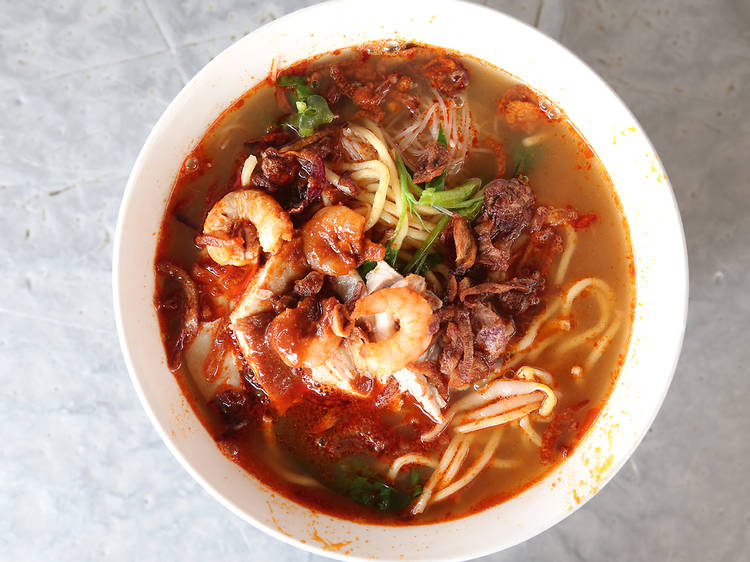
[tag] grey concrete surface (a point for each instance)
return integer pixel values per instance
(83, 475)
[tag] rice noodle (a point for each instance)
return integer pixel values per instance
(413, 135)
(407, 137)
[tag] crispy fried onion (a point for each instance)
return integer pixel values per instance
(189, 327)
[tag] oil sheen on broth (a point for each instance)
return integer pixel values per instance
(563, 172)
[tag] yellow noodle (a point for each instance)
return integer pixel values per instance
(405, 460)
(437, 475)
(500, 419)
(455, 465)
(577, 288)
(604, 297)
(533, 329)
(376, 139)
(540, 346)
(601, 345)
(531, 433)
(474, 470)
(570, 246)
(527, 373)
(504, 463)
(391, 209)
(414, 232)
(380, 195)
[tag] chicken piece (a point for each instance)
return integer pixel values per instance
(282, 384)
(383, 327)
(337, 373)
(381, 277)
(425, 394)
(275, 278)
(347, 287)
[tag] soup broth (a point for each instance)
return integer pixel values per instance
(370, 449)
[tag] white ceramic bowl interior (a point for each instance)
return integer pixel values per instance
(657, 237)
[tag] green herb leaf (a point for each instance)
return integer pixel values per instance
(415, 484)
(311, 114)
(312, 108)
(299, 83)
(441, 136)
(471, 213)
(451, 197)
(429, 262)
(375, 493)
(468, 203)
(413, 477)
(366, 268)
(417, 262)
(524, 159)
(408, 200)
(391, 254)
(354, 478)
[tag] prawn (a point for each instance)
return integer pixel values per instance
(334, 241)
(306, 336)
(413, 314)
(255, 214)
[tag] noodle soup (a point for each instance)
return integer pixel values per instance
(395, 283)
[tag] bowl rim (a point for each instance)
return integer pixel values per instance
(127, 339)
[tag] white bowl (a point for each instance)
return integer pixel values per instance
(649, 205)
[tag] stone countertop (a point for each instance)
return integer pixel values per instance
(85, 476)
